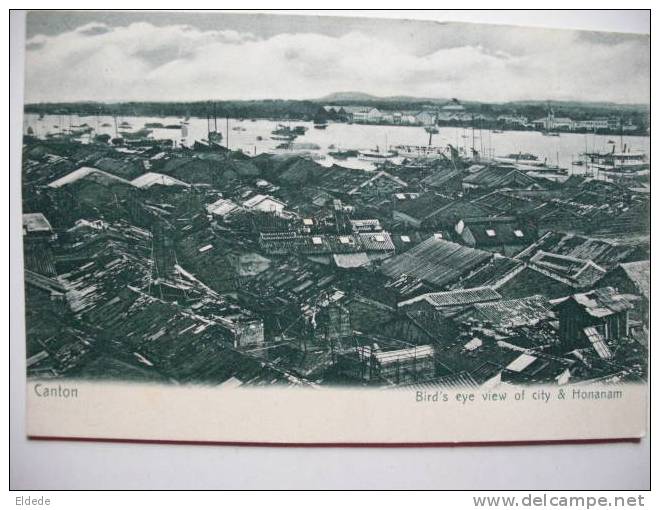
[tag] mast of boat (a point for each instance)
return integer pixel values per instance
(116, 130)
(227, 128)
(473, 135)
(587, 154)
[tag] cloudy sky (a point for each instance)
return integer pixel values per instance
(198, 56)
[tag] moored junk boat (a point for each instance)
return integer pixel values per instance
(527, 162)
(320, 122)
(81, 129)
(283, 130)
(421, 151)
(214, 137)
(521, 158)
(543, 169)
(135, 135)
(283, 133)
(208, 146)
(376, 154)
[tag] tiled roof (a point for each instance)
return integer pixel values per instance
(436, 262)
(499, 231)
(151, 178)
(325, 243)
(350, 260)
(505, 202)
(598, 342)
(457, 297)
(602, 252)
(222, 207)
(513, 313)
(492, 273)
(440, 178)
(36, 222)
(389, 357)
(379, 175)
(580, 272)
(456, 381)
(88, 173)
(640, 274)
(602, 302)
(423, 206)
(498, 176)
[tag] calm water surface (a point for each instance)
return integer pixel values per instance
(243, 135)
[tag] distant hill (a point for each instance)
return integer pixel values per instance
(345, 97)
(353, 97)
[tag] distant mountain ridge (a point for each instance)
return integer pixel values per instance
(353, 96)
(362, 96)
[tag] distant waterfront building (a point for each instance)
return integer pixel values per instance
(563, 123)
(592, 124)
(332, 109)
(453, 112)
(387, 118)
(426, 118)
(550, 123)
(408, 118)
(364, 114)
(513, 120)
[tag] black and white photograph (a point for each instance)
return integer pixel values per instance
(333, 220)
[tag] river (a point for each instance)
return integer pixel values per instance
(244, 134)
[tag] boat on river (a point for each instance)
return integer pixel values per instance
(624, 161)
(376, 154)
(521, 158)
(421, 151)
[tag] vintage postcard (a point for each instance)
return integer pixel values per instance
(286, 229)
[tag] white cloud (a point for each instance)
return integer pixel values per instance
(180, 62)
